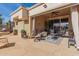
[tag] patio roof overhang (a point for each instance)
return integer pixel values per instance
(55, 9)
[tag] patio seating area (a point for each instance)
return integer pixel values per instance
(51, 37)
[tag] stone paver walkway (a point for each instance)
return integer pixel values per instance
(26, 47)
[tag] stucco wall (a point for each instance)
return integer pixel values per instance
(40, 23)
(22, 25)
(19, 14)
(26, 27)
(25, 14)
(15, 27)
(22, 17)
(22, 14)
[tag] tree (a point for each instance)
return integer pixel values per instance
(1, 22)
(8, 26)
(0, 19)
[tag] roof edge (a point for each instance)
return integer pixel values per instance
(35, 5)
(19, 8)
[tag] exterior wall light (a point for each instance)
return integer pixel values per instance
(45, 6)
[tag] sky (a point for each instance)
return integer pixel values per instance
(7, 8)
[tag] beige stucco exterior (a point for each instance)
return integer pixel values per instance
(23, 14)
(35, 17)
(21, 18)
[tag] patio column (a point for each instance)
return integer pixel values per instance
(74, 20)
(30, 27)
(33, 27)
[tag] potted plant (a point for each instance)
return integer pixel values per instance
(23, 33)
(15, 32)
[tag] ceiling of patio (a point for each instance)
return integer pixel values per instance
(57, 13)
(78, 7)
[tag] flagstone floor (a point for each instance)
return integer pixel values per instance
(27, 47)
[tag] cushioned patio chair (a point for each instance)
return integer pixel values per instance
(40, 36)
(71, 41)
(37, 37)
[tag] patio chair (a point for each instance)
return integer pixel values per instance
(71, 42)
(40, 36)
(37, 37)
(43, 35)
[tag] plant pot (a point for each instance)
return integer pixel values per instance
(15, 32)
(23, 34)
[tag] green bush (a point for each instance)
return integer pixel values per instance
(15, 32)
(23, 33)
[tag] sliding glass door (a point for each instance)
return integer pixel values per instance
(58, 26)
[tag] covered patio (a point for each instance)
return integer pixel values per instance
(49, 20)
(62, 16)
